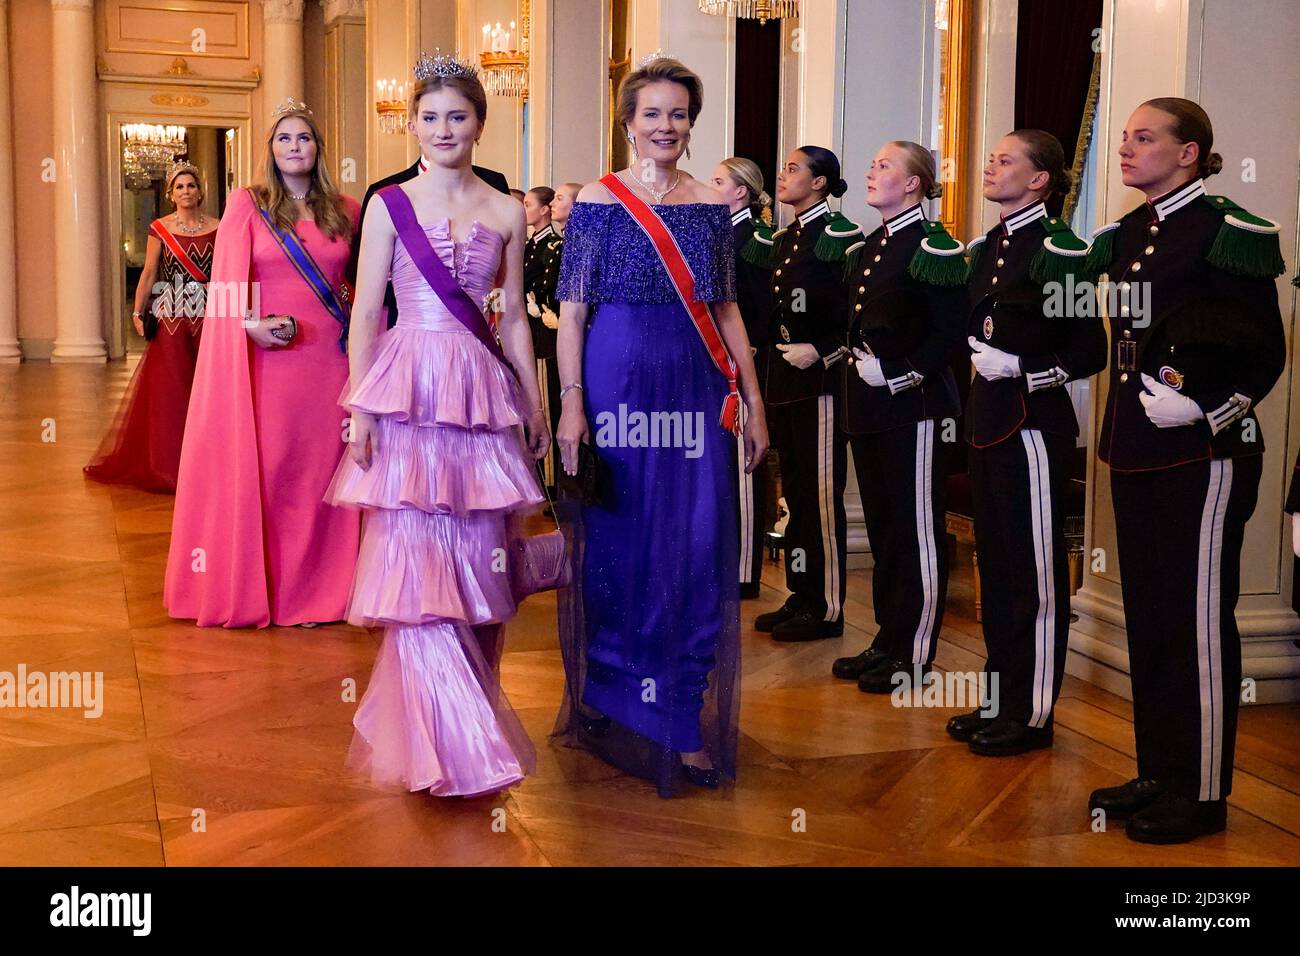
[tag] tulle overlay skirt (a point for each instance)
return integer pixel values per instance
(649, 627)
(441, 497)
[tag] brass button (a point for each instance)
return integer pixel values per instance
(1005, 243)
(884, 241)
(1148, 250)
(877, 259)
(1001, 261)
(858, 307)
(776, 288)
(1123, 286)
(1123, 377)
(1128, 334)
(867, 273)
(1123, 310)
(862, 289)
(778, 272)
(995, 280)
(1155, 230)
(787, 261)
(1137, 267)
(796, 247)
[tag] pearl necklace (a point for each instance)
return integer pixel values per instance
(191, 231)
(659, 196)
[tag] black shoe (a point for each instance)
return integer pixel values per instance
(806, 626)
(1006, 738)
(1120, 803)
(593, 726)
(851, 668)
(1173, 818)
(707, 777)
(766, 622)
(881, 679)
(749, 590)
(963, 726)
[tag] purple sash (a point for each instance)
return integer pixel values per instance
(457, 301)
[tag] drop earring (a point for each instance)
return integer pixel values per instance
(632, 142)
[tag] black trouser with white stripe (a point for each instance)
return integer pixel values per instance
(1179, 532)
(750, 507)
(548, 383)
(901, 478)
(1017, 487)
(814, 465)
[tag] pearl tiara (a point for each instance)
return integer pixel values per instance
(442, 65)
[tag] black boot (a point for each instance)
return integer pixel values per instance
(1173, 818)
(806, 626)
(963, 725)
(1120, 803)
(765, 622)
(851, 668)
(1006, 738)
(881, 679)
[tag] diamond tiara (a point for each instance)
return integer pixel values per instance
(290, 105)
(183, 166)
(652, 56)
(442, 65)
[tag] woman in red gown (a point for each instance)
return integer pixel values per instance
(143, 446)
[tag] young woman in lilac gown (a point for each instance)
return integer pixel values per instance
(650, 624)
(439, 461)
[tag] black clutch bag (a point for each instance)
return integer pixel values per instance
(591, 484)
(150, 322)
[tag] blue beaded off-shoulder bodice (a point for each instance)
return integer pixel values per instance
(608, 258)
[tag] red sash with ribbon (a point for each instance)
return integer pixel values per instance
(670, 254)
(177, 251)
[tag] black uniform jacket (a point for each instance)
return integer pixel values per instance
(1214, 335)
(542, 254)
(1012, 311)
(913, 327)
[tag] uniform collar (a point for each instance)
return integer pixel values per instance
(741, 215)
(820, 209)
(903, 220)
(1177, 199)
(1023, 216)
(547, 230)
(424, 164)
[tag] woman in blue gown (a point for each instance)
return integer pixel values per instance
(649, 626)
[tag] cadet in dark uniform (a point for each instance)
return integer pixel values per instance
(1021, 428)
(542, 254)
(804, 366)
(906, 318)
(740, 182)
(1189, 366)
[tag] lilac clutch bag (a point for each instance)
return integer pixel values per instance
(539, 562)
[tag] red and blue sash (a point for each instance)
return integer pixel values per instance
(670, 254)
(336, 305)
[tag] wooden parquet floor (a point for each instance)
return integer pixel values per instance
(249, 728)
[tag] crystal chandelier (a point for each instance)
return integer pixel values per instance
(504, 69)
(148, 149)
(760, 10)
(390, 104)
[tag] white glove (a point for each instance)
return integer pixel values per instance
(869, 369)
(993, 363)
(549, 318)
(1166, 407)
(799, 354)
(533, 310)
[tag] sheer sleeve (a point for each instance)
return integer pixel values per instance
(718, 281)
(584, 238)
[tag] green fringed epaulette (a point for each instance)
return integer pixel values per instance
(757, 251)
(939, 261)
(1246, 245)
(1296, 281)
(1063, 254)
(834, 242)
(973, 250)
(853, 259)
(1102, 250)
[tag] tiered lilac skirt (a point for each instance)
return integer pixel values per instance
(450, 471)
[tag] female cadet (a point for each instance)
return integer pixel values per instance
(1021, 427)
(1185, 453)
(542, 254)
(905, 320)
(739, 182)
(804, 365)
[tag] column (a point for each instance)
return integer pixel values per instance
(281, 52)
(78, 187)
(347, 100)
(9, 351)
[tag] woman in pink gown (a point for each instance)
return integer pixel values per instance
(439, 461)
(253, 543)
